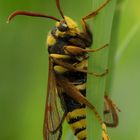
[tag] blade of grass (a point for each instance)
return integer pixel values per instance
(113, 48)
(101, 28)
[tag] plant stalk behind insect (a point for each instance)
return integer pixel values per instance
(68, 49)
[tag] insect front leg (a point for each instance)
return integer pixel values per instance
(92, 14)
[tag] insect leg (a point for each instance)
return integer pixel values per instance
(111, 108)
(71, 91)
(72, 68)
(107, 98)
(93, 14)
(74, 50)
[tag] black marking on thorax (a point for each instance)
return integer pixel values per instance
(76, 77)
(83, 41)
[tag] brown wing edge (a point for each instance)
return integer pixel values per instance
(47, 133)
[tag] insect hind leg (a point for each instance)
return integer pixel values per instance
(111, 109)
(71, 91)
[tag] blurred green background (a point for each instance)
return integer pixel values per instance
(23, 68)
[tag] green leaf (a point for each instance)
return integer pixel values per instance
(101, 29)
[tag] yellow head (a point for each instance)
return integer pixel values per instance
(67, 26)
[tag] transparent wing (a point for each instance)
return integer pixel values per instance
(54, 111)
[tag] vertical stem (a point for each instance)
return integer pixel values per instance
(113, 50)
(98, 63)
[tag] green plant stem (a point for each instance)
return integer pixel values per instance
(113, 50)
(98, 61)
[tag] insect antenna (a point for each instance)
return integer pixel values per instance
(59, 8)
(11, 16)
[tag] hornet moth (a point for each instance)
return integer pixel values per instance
(68, 49)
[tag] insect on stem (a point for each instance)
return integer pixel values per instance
(68, 49)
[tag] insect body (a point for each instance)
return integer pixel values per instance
(68, 49)
(65, 36)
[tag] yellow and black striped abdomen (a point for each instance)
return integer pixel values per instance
(76, 119)
(76, 116)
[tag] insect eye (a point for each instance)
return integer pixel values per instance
(63, 27)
